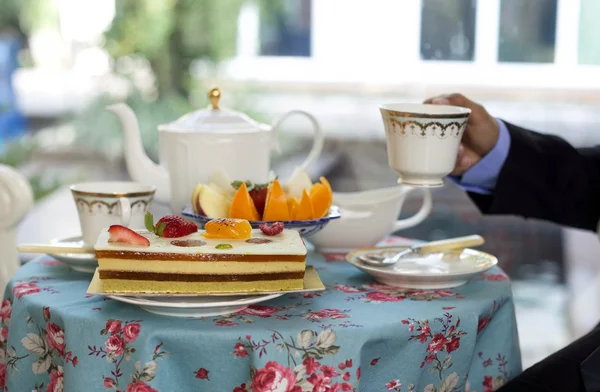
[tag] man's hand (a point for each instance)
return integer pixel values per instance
(480, 136)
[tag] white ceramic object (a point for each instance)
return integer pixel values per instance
(430, 271)
(194, 146)
(423, 140)
(367, 217)
(197, 306)
(79, 262)
(16, 199)
(102, 204)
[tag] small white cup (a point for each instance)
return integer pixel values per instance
(423, 140)
(102, 204)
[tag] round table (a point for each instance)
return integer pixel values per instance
(355, 335)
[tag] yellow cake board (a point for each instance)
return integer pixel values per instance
(312, 282)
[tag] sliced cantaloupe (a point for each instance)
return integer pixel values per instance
(305, 211)
(242, 206)
(293, 206)
(321, 197)
(276, 207)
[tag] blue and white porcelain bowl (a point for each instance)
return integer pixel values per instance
(304, 227)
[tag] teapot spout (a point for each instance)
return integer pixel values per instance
(140, 167)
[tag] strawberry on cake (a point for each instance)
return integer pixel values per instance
(172, 256)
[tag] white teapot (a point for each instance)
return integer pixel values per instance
(191, 148)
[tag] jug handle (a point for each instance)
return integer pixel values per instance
(421, 215)
(318, 140)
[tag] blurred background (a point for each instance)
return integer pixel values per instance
(535, 63)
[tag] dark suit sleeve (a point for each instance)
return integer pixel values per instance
(544, 177)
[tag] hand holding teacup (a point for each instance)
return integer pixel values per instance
(480, 136)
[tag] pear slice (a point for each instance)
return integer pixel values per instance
(298, 182)
(213, 202)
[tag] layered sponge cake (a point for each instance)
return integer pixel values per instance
(219, 260)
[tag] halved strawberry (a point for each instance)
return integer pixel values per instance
(170, 226)
(122, 234)
(259, 197)
(258, 193)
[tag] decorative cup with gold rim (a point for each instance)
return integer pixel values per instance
(423, 140)
(102, 204)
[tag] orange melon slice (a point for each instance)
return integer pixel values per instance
(276, 207)
(321, 197)
(293, 207)
(306, 210)
(242, 206)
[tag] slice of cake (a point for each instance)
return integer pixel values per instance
(228, 257)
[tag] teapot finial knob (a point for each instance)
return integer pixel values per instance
(215, 96)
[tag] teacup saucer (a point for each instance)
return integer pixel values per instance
(79, 262)
(431, 271)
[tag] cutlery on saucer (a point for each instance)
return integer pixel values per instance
(428, 247)
(55, 249)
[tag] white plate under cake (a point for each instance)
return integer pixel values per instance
(196, 264)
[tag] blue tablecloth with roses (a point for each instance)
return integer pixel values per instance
(357, 335)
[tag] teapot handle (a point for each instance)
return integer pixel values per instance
(318, 140)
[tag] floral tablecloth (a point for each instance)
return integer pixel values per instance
(357, 335)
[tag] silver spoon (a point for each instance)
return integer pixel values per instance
(428, 247)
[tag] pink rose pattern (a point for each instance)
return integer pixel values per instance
(311, 355)
(448, 339)
(440, 344)
(306, 367)
(46, 344)
(379, 293)
(118, 348)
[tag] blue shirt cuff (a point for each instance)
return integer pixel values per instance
(482, 177)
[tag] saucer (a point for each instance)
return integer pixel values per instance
(431, 271)
(81, 263)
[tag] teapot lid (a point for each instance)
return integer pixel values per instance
(214, 119)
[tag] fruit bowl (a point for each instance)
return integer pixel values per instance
(304, 227)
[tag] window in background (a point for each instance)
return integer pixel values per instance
(527, 31)
(285, 28)
(589, 31)
(448, 29)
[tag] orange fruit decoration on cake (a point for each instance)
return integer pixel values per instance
(293, 207)
(236, 229)
(321, 197)
(242, 206)
(306, 211)
(276, 206)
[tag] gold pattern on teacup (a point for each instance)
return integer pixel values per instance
(424, 115)
(109, 208)
(423, 130)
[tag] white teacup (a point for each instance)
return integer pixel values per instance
(102, 204)
(423, 140)
(367, 217)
